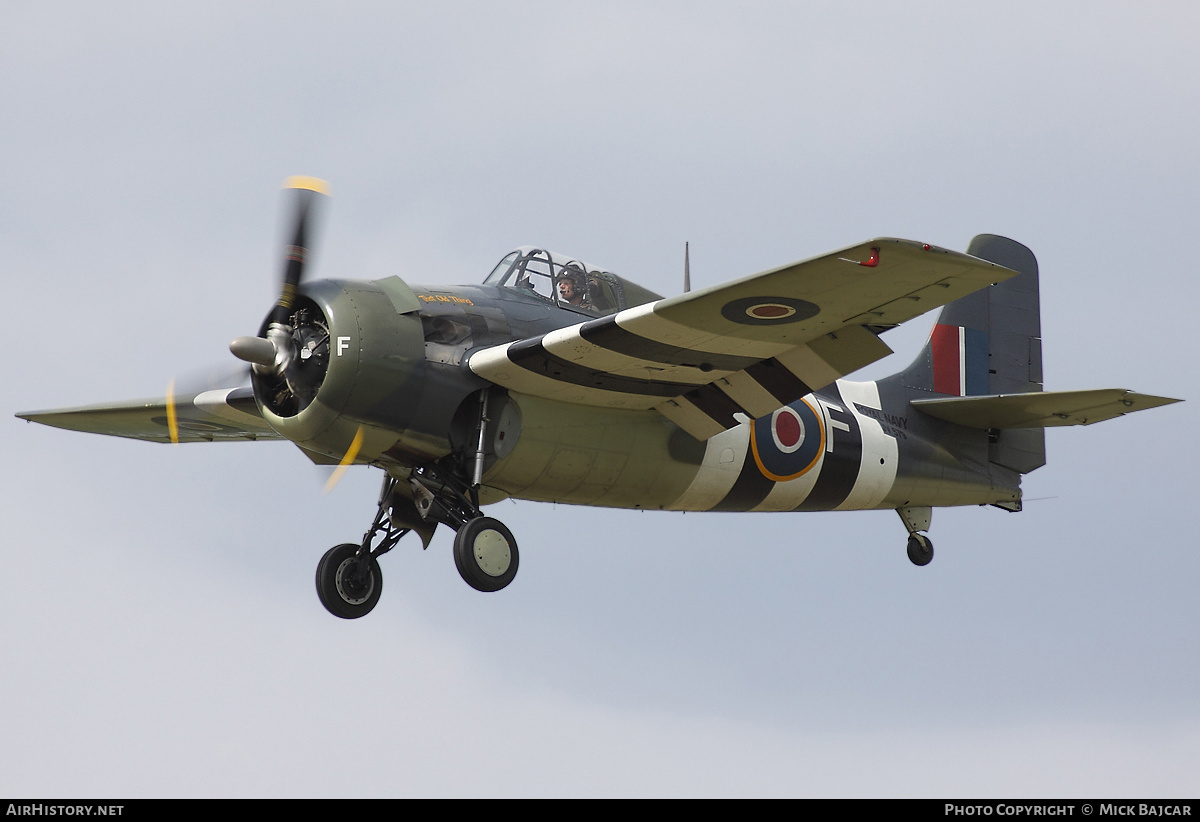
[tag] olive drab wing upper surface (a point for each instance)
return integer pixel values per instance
(708, 359)
(226, 414)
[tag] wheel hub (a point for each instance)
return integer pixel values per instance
(349, 586)
(492, 553)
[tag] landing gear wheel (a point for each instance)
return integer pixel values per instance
(339, 586)
(920, 549)
(486, 554)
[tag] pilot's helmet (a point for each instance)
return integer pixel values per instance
(574, 276)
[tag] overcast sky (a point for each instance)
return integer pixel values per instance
(161, 635)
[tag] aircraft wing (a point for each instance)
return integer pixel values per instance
(209, 416)
(1043, 409)
(706, 358)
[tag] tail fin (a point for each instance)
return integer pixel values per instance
(990, 342)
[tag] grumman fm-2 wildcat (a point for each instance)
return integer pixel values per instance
(558, 381)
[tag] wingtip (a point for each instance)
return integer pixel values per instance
(45, 417)
(1147, 400)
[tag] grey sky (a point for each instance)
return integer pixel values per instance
(162, 636)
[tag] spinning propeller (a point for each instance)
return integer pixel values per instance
(274, 353)
(289, 357)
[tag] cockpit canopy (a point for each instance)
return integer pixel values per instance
(569, 283)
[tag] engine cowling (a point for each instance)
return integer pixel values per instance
(358, 354)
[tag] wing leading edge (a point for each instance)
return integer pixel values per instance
(707, 359)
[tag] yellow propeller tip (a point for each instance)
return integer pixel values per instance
(347, 460)
(172, 419)
(308, 183)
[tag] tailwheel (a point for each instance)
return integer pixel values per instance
(920, 549)
(486, 554)
(344, 586)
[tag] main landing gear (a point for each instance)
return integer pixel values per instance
(916, 519)
(349, 581)
(348, 584)
(486, 554)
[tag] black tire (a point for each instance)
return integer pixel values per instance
(920, 549)
(338, 586)
(486, 554)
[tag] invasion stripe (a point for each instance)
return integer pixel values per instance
(605, 333)
(532, 356)
(782, 383)
(840, 468)
(716, 404)
(750, 489)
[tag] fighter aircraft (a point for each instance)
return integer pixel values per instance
(556, 380)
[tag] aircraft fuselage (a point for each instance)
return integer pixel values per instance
(841, 448)
(849, 446)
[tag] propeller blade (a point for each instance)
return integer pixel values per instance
(307, 193)
(197, 381)
(285, 377)
(172, 419)
(211, 378)
(347, 461)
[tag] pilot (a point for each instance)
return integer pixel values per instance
(571, 290)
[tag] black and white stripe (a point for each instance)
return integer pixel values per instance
(704, 392)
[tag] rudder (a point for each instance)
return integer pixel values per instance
(990, 342)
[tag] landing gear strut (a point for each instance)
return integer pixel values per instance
(349, 581)
(485, 552)
(916, 519)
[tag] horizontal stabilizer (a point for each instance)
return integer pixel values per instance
(209, 416)
(1043, 409)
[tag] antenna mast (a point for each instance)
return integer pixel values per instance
(687, 273)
